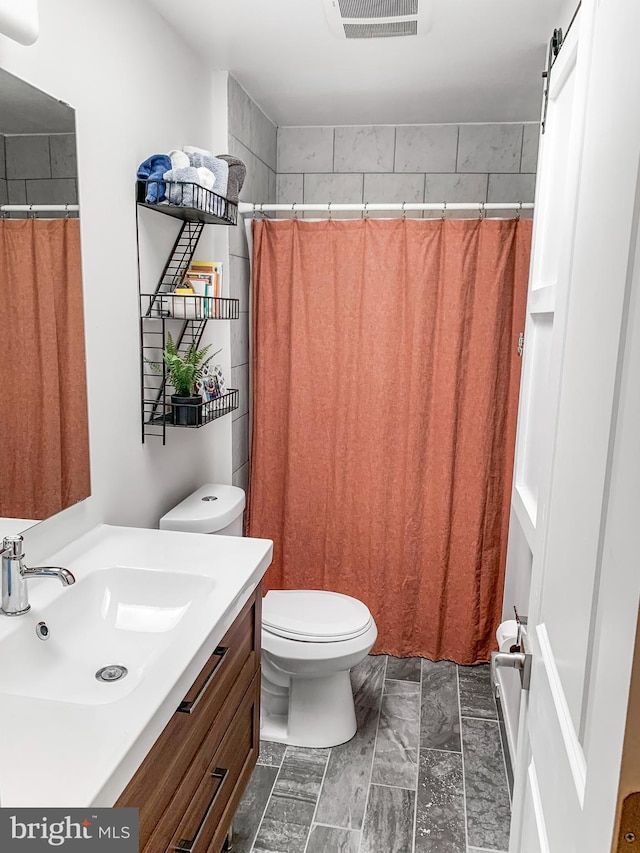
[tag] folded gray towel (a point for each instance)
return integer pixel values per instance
(184, 188)
(237, 174)
(219, 168)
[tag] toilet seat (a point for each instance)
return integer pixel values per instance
(314, 616)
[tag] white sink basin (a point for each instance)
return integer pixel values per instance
(123, 616)
(157, 602)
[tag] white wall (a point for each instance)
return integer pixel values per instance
(137, 90)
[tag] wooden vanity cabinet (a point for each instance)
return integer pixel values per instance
(189, 785)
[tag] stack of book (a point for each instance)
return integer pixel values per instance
(205, 277)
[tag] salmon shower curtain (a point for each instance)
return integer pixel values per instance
(44, 441)
(385, 379)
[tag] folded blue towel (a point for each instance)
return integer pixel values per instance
(219, 168)
(154, 167)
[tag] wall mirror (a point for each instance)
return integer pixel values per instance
(44, 445)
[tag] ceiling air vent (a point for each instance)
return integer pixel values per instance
(368, 19)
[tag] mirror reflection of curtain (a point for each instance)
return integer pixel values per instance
(385, 393)
(44, 442)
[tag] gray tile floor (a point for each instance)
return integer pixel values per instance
(425, 772)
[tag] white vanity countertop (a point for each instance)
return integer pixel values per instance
(70, 754)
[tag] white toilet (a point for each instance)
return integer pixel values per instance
(310, 638)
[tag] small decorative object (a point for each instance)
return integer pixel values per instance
(185, 374)
(185, 303)
(213, 384)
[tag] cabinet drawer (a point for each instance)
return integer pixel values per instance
(201, 810)
(216, 691)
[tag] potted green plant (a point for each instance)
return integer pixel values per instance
(183, 373)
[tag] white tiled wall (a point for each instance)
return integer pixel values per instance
(38, 169)
(412, 163)
(252, 138)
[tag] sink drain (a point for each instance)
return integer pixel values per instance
(111, 673)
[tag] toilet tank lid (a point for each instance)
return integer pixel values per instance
(207, 510)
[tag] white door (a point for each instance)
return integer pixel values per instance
(571, 562)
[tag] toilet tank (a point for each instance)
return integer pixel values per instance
(213, 508)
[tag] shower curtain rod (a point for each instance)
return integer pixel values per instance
(481, 206)
(39, 208)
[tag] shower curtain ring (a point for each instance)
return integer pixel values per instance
(254, 210)
(294, 211)
(444, 210)
(482, 211)
(366, 212)
(404, 212)
(518, 211)
(329, 207)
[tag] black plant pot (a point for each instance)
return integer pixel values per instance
(187, 411)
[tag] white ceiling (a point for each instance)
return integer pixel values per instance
(25, 109)
(480, 61)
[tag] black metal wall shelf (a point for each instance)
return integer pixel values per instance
(185, 317)
(194, 203)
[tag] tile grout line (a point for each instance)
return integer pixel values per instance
(373, 755)
(415, 799)
(521, 151)
(315, 811)
(393, 787)
(264, 811)
(464, 777)
(478, 719)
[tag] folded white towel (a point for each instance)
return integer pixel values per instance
(179, 160)
(206, 178)
(190, 149)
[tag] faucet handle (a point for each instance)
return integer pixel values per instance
(12, 547)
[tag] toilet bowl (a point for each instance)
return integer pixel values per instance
(311, 639)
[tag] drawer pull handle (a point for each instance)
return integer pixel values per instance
(187, 844)
(189, 706)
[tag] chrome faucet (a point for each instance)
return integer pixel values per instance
(15, 596)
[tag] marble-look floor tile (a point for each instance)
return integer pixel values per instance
(487, 794)
(440, 713)
(344, 792)
(440, 824)
(252, 805)
(271, 753)
(328, 839)
(403, 669)
(476, 693)
(396, 755)
(287, 820)
(388, 825)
